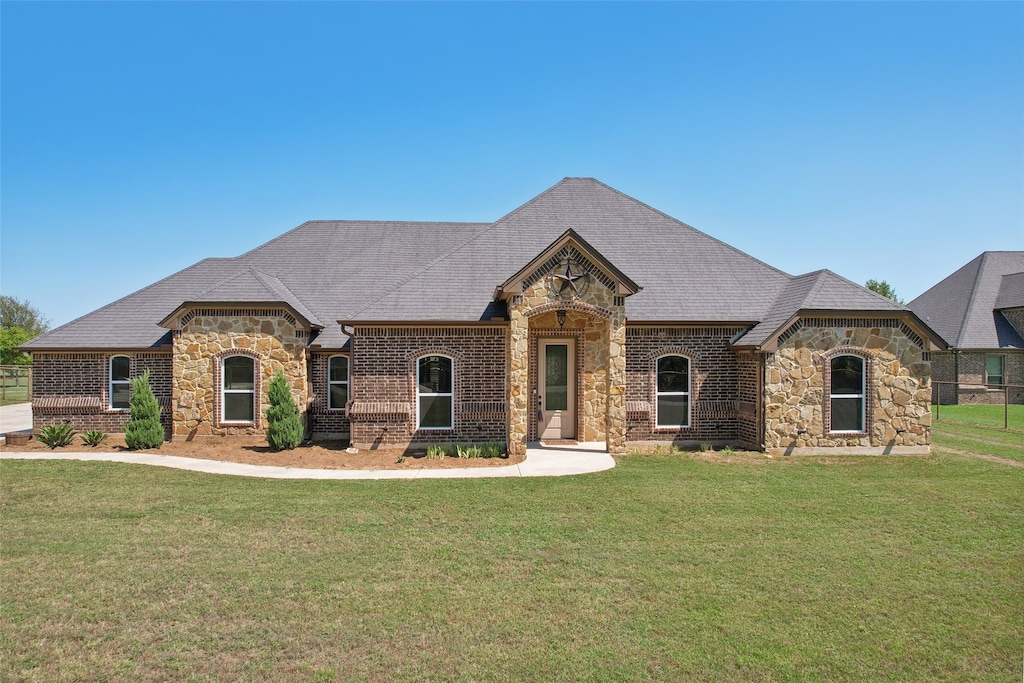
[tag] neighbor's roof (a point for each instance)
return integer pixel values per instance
(963, 307)
(381, 271)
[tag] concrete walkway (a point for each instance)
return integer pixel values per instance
(15, 418)
(541, 461)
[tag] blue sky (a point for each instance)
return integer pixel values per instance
(879, 140)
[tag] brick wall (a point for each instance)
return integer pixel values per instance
(383, 384)
(715, 380)
(74, 388)
(325, 423)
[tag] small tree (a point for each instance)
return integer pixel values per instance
(885, 289)
(284, 426)
(143, 429)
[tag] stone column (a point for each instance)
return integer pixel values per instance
(615, 437)
(518, 378)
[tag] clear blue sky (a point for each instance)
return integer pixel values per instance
(879, 140)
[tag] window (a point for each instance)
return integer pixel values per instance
(337, 382)
(847, 394)
(673, 392)
(120, 386)
(435, 400)
(994, 371)
(239, 390)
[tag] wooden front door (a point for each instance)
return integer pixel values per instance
(556, 384)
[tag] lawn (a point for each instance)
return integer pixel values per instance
(992, 416)
(668, 567)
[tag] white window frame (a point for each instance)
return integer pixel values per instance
(224, 391)
(1002, 371)
(862, 396)
(113, 382)
(346, 381)
(658, 393)
(419, 394)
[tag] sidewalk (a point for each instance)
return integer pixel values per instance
(15, 418)
(540, 461)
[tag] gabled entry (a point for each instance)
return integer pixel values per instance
(557, 388)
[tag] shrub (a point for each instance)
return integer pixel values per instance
(284, 425)
(143, 429)
(55, 436)
(467, 451)
(492, 449)
(94, 437)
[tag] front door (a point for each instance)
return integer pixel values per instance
(556, 384)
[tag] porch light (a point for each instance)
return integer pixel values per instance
(561, 317)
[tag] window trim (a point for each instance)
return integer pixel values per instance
(111, 382)
(688, 393)
(862, 395)
(224, 390)
(1002, 372)
(419, 394)
(347, 381)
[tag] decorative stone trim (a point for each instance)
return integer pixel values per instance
(236, 313)
(580, 306)
(852, 322)
(572, 253)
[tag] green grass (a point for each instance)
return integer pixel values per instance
(668, 567)
(13, 394)
(993, 416)
(994, 441)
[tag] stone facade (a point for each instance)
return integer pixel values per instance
(897, 392)
(74, 388)
(597, 321)
(206, 338)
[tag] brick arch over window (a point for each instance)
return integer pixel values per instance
(868, 359)
(218, 387)
(580, 306)
(457, 359)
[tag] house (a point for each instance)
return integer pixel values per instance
(979, 311)
(583, 314)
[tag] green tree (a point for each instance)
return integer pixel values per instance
(143, 429)
(284, 426)
(885, 289)
(19, 322)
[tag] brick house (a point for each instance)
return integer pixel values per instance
(979, 311)
(582, 315)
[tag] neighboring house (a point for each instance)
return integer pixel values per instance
(582, 315)
(979, 311)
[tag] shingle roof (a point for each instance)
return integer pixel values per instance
(407, 271)
(962, 307)
(820, 290)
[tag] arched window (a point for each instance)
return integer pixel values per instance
(435, 396)
(846, 394)
(672, 391)
(120, 385)
(337, 382)
(238, 393)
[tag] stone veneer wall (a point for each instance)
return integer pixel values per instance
(382, 387)
(716, 382)
(270, 336)
(74, 388)
(324, 422)
(599, 319)
(898, 390)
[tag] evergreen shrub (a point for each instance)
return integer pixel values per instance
(284, 425)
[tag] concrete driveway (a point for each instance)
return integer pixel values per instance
(15, 418)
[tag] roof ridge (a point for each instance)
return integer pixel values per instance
(972, 299)
(130, 294)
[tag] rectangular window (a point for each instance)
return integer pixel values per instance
(337, 383)
(239, 389)
(435, 400)
(846, 394)
(673, 392)
(120, 385)
(994, 371)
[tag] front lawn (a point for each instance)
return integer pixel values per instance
(668, 567)
(977, 414)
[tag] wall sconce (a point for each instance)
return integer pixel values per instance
(560, 314)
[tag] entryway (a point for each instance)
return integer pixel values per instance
(556, 388)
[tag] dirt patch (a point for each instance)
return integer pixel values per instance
(323, 455)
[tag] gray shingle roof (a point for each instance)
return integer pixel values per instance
(962, 307)
(817, 291)
(408, 271)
